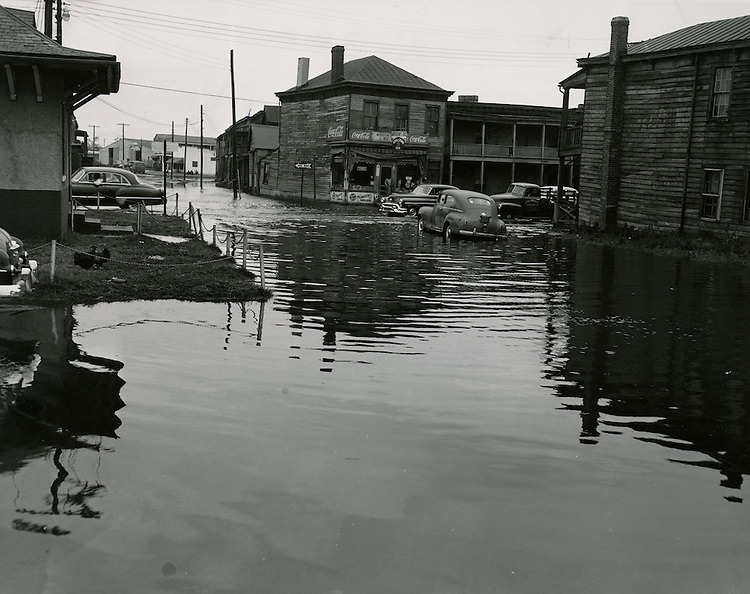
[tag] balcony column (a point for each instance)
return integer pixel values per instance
(561, 157)
(481, 166)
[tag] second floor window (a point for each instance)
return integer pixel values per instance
(371, 115)
(401, 121)
(432, 120)
(711, 197)
(722, 90)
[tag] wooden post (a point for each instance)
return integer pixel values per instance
(200, 223)
(190, 215)
(244, 250)
(164, 173)
(229, 242)
(138, 218)
(177, 204)
(52, 257)
(262, 268)
(214, 236)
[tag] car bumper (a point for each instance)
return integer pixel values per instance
(479, 234)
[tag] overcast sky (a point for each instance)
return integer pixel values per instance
(175, 54)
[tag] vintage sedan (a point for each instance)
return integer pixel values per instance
(462, 213)
(528, 196)
(422, 195)
(110, 186)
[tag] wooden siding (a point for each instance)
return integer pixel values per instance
(656, 134)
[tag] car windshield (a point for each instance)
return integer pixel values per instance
(421, 190)
(516, 190)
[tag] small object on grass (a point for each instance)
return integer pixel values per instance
(117, 279)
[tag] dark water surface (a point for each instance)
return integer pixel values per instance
(404, 416)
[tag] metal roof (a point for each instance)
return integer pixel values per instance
(704, 34)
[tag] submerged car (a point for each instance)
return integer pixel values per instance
(110, 186)
(422, 195)
(462, 213)
(528, 197)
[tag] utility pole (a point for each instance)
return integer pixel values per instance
(58, 16)
(201, 173)
(93, 142)
(184, 158)
(123, 141)
(235, 167)
(48, 18)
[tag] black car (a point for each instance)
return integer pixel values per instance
(110, 186)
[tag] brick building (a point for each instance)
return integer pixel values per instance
(356, 131)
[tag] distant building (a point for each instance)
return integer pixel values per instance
(189, 154)
(41, 86)
(665, 139)
(355, 131)
(256, 137)
(490, 145)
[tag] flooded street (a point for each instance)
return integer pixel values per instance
(405, 415)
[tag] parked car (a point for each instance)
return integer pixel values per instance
(13, 257)
(110, 186)
(422, 195)
(528, 197)
(462, 213)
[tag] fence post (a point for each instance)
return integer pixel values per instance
(200, 223)
(262, 268)
(229, 242)
(214, 236)
(190, 216)
(138, 218)
(244, 250)
(177, 204)
(52, 262)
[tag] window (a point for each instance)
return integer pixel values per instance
(401, 120)
(265, 173)
(195, 163)
(722, 89)
(711, 198)
(432, 120)
(371, 115)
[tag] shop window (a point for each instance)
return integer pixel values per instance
(361, 176)
(711, 197)
(371, 115)
(432, 120)
(722, 90)
(401, 121)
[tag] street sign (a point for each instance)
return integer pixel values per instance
(303, 165)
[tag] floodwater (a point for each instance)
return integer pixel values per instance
(404, 416)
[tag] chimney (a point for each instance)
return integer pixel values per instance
(613, 117)
(618, 42)
(337, 63)
(303, 70)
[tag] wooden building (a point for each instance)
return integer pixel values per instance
(41, 85)
(491, 145)
(357, 131)
(253, 138)
(665, 139)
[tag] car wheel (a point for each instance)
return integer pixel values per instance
(420, 225)
(448, 233)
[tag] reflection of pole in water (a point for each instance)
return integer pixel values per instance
(61, 476)
(260, 322)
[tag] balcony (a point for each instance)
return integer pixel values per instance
(504, 151)
(571, 140)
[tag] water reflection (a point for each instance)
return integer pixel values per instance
(658, 346)
(56, 400)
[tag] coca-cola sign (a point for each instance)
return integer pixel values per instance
(389, 137)
(336, 132)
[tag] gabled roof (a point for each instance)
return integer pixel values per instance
(371, 71)
(19, 38)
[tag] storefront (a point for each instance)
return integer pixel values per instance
(368, 164)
